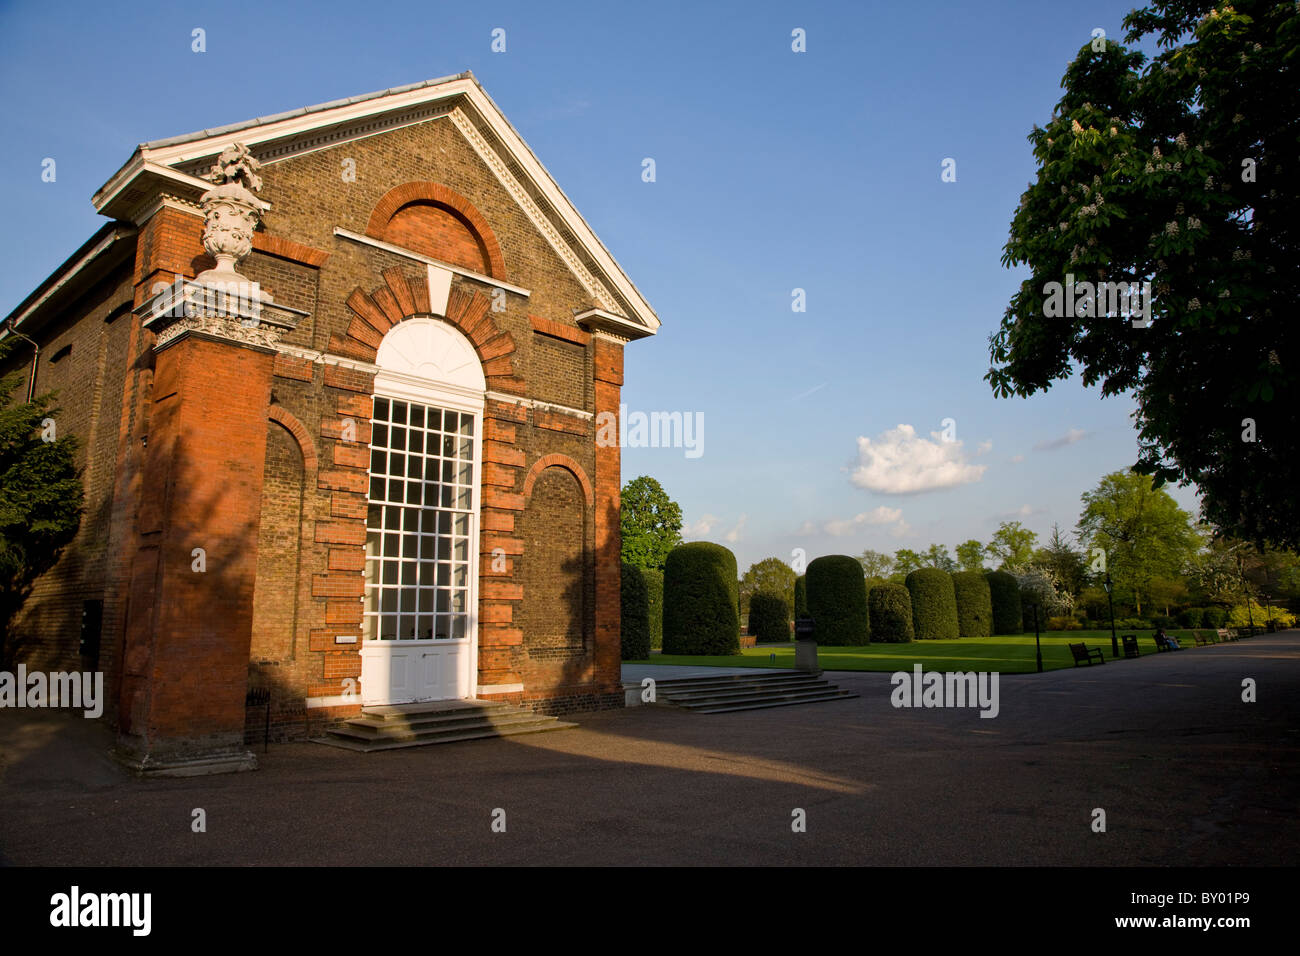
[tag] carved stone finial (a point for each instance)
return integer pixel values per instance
(231, 212)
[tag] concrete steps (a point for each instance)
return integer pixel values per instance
(723, 694)
(437, 722)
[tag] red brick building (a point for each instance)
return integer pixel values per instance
(375, 480)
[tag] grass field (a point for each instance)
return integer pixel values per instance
(1007, 655)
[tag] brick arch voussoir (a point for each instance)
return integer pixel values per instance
(294, 427)
(402, 297)
(556, 460)
(399, 196)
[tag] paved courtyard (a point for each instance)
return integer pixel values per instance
(1186, 773)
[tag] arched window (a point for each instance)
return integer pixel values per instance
(423, 517)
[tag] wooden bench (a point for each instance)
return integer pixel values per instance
(1201, 639)
(1084, 656)
(1226, 634)
(1130, 645)
(1162, 644)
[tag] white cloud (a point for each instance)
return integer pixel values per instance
(1017, 459)
(1024, 511)
(984, 447)
(699, 528)
(899, 462)
(1069, 438)
(877, 517)
(734, 534)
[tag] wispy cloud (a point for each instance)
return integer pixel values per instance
(696, 529)
(814, 389)
(900, 462)
(877, 517)
(733, 535)
(1069, 438)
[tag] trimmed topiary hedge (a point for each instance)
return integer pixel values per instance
(769, 617)
(654, 583)
(1028, 598)
(837, 600)
(636, 615)
(701, 600)
(801, 596)
(1004, 592)
(889, 606)
(974, 604)
(934, 604)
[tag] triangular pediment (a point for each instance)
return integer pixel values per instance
(175, 167)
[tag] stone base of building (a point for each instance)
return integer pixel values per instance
(576, 704)
(183, 760)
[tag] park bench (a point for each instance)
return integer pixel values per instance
(1201, 639)
(1084, 656)
(1130, 645)
(1162, 644)
(1226, 634)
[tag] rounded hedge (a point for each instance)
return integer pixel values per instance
(636, 614)
(701, 600)
(974, 604)
(1191, 617)
(934, 604)
(1004, 592)
(1028, 601)
(837, 600)
(654, 583)
(889, 607)
(769, 617)
(801, 596)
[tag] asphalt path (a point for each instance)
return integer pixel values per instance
(1186, 772)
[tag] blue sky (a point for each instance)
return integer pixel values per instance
(775, 170)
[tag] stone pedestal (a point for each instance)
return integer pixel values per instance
(805, 657)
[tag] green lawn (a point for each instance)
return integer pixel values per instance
(1007, 655)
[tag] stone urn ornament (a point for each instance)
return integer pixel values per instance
(231, 212)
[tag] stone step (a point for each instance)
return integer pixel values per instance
(740, 688)
(720, 694)
(728, 708)
(391, 727)
(701, 703)
(424, 740)
(374, 730)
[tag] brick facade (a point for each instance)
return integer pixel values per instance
(261, 456)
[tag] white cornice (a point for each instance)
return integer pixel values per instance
(416, 257)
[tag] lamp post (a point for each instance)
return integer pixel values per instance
(1037, 646)
(1110, 600)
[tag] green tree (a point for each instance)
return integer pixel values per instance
(41, 495)
(876, 564)
(937, 556)
(1178, 172)
(770, 574)
(651, 523)
(905, 562)
(1145, 535)
(970, 555)
(1012, 546)
(1064, 559)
